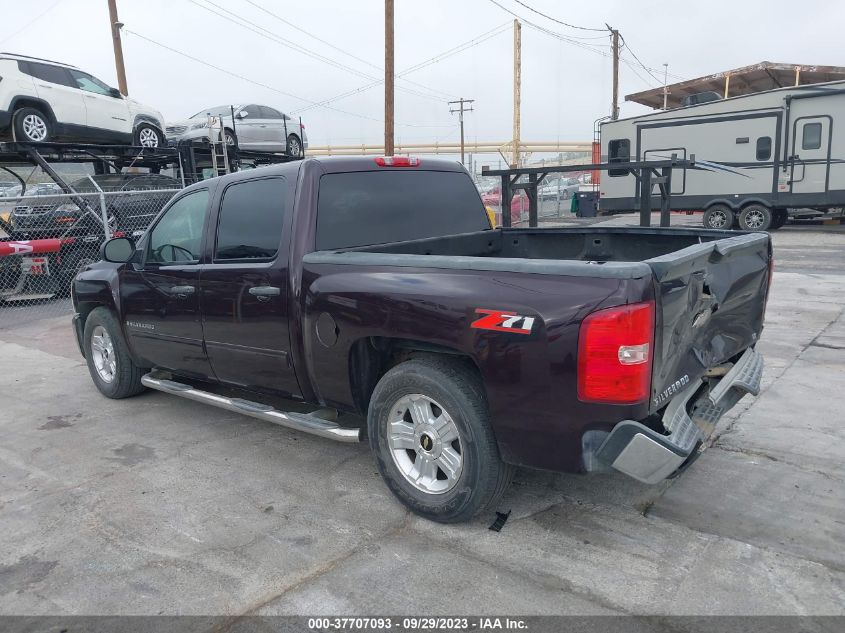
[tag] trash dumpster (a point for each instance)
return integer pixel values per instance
(587, 204)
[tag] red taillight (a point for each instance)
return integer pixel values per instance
(397, 161)
(615, 349)
(118, 234)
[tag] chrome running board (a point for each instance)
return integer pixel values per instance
(321, 422)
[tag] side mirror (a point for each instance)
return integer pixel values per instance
(242, 114)
(114, 92)
(118, 250)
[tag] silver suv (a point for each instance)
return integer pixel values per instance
(254, 127)
(42, 101)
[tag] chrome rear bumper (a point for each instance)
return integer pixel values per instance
(650, 457)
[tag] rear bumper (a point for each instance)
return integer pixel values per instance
(651, 457)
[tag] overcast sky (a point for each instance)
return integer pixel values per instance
(565, 85)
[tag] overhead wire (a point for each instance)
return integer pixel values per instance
(263, 85)
(274, 37)
(548, 17)
(31, 22)
(337, 48)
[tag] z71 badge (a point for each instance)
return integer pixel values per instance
(503, 321)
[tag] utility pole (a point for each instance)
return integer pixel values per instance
(614, 111)
(116, 25)
(460, 110)
(388, 77)
(665, 90)
(517, 89)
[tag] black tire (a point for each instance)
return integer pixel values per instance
(148, 136)
(456, 388)
(294, 146)
(779, 218)
(126, 379)
(719, 216)
(755, 217)
(28, 121)
(230, 135)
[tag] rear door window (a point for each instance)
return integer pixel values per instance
(250, 222)
(812, 136)
(764, 148)
(51, 74)
(376, 207)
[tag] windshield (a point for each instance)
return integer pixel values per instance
(223, 110)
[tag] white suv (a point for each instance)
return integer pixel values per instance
(44, 101)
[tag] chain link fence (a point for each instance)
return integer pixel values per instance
(48, 236)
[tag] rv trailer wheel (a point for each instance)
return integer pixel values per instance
(719, 216)
(755, 217)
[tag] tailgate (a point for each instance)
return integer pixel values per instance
(711, 300)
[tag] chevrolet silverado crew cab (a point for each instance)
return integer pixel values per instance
(376, 290)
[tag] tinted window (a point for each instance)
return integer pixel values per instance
(812, 138)
(618, 151)
(51, 74)
(177, 236)
(253, 111)
(270, 113)
(87, 82)
(250, 222)
(764, 148)
(376, 207)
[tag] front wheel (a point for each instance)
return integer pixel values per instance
(430, 433)
(755, 217)
(148, 136)
(110, 364)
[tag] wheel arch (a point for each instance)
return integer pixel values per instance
(149, 120)
(372, 357)
(33, 102)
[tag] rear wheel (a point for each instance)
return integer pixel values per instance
(230, 138)
(32, 126)
(430, 433)
(755, 217)
(109, 362)
(294, 146)
(719, 216)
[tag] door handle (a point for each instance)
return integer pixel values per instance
(263, 293)
(182, 292)
(45, 86)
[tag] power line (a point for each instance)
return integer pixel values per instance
(646, 68)
(263, 85)
(337, 48)
(548, 17)
(32, 21)
(428, 62)
(273, 37)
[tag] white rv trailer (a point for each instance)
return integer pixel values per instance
(759, 154)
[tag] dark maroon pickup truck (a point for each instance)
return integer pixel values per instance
(376, 291)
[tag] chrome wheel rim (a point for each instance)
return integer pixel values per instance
(34, 127)
(230, 140)
(294, 148)
(754, 219)
(425, 444)
(147, 137)
(102, 353)
(718, 219)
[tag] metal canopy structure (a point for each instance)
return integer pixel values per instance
(647, 175)
(741, 81)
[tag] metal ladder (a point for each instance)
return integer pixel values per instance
(219, 150)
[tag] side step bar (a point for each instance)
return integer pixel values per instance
(316, 423)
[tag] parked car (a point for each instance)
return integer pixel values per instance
(558, 188)
(42, 100)
(376, 288)
(519, 203)
(58, 216)
(255, 127)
